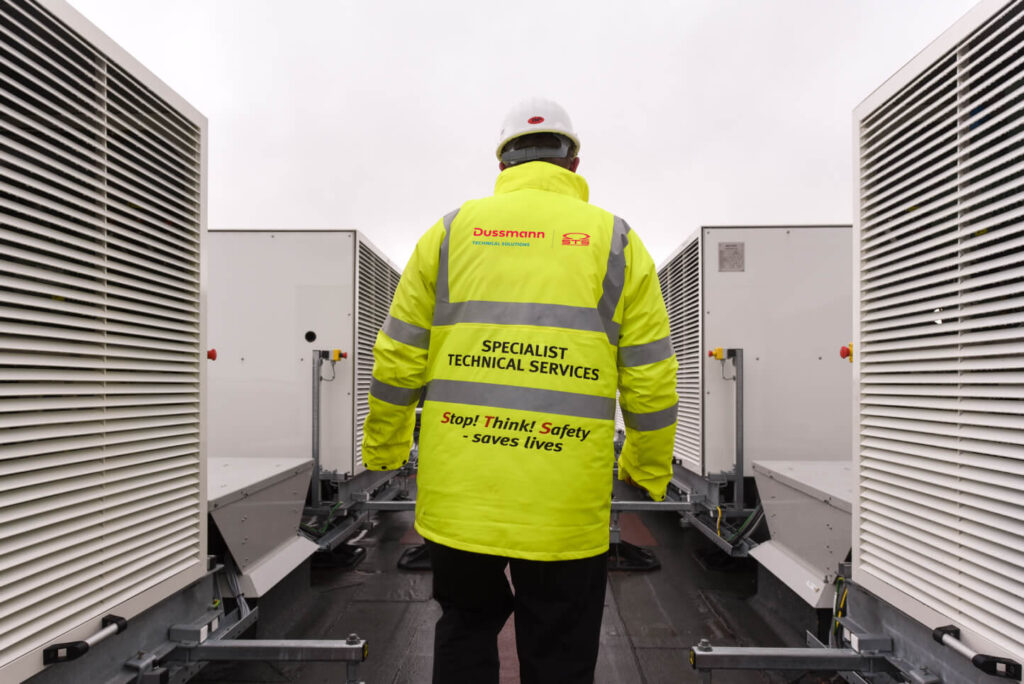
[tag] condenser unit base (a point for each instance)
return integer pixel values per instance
(807, 506)
(257, 506)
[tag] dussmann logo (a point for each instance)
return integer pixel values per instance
(576, 239)
(483, 232)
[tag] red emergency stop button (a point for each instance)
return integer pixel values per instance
(846, 352)
(212, 354)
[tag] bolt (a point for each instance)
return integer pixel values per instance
(704, 645)
(353, 638)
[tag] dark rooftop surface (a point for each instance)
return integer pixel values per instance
(651, 619)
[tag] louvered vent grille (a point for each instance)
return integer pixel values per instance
(942, 335)
(680, 285)
(99, 333)
(377, 282)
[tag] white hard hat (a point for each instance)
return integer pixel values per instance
(535, 115)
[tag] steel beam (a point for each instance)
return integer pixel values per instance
(617, 506)
(755, 658)
(280, 650)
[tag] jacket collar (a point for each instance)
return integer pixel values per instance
(541, 175)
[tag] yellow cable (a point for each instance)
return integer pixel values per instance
(718, 526)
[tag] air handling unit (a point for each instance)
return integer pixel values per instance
(938, 537)
(102, 216)
(276, 298)
(939, 514)
(780, 295)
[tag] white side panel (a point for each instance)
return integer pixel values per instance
(782, 295)
(940, 333)
(267, 291)
(102, 364)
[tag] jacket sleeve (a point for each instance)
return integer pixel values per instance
(647, 376)
(400, 359)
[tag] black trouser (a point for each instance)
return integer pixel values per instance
(558, 607)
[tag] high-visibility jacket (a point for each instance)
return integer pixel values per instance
(520, 315)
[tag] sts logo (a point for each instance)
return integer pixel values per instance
(576, 239)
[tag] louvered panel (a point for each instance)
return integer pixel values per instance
(23, 144)
(140, 323)
(946, 552)
(116, 146)
(920, 104)
(64, 206)
(933, 522)
(92, 472)
(154, 560)
(28, 531)
(375, 288)
(165, 444)
(950, 283)
(42, 253)
(100, 373)
(942, 441)
(680, 283)
(941, 284)
(25, 556)
(956, 403)
(79, 561)
(966, 350)
(905, 532)
(40, 275)
(908, 335)
(972, 303)
(964, 392)
(920, 251)
(961, 511)
(107, 412)
(45, 334)
(26, 74)
(8, 407)
(43, 344)
(71, 186)
(971, 585)
(972, 463)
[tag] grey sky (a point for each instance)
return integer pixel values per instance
(382, 116)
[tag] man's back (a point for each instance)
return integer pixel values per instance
(534, 290)
(519, 316)
(522, 327)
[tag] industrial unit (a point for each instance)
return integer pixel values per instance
(758, 316)
(933, 591)
(181, 409)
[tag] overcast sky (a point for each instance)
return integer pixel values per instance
(383, 116)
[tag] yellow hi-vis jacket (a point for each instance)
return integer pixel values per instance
(520, 315)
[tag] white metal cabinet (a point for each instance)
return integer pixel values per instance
(782, 295)
(275, 296)
(102, 219)
(939, 230)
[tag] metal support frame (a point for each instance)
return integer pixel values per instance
(314, 483)
(866, 654)
(351, 651)
(709, 658)
(737, 361)
(617, 506)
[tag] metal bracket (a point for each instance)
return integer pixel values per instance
(706, 658)
(351, 651)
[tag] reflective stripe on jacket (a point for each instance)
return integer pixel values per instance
(520, 315)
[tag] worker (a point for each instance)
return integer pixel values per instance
(519, 316)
